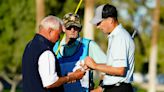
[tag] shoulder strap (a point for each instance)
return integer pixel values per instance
(56, 47)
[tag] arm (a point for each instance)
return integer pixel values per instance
(59, 82)
(119, 57)
(73, 76)
(117, 71)
(48, 74)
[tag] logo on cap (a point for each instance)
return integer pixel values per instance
(71, 20)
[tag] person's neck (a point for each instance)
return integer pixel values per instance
(70, 41)
(43, 34)
(114, 26)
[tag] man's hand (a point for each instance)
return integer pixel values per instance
(73, 76)
(70, 78)
(90, 62)
(69, 74)
(84, 67)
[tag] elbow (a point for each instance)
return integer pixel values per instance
(48, 87)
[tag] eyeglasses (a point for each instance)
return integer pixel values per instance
(74, 27)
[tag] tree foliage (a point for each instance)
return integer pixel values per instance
(17, 20)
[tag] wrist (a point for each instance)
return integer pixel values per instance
(95, 67)
(71, 77)
(67, 78)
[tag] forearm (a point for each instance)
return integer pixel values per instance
(117, 71)
(79, 75)
(59, 82)
(75, 76)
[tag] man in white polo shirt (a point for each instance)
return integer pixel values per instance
(119, 66)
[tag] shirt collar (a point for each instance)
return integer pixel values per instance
(115, 31)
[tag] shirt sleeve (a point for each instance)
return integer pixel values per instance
(46, 67)
(96, 53)
(119, 52)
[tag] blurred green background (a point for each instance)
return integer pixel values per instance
(18, 21)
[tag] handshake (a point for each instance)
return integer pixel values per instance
(81, 71)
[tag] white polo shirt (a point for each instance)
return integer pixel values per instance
(46, 68)
(120, 53)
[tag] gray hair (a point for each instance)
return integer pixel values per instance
(51, 22)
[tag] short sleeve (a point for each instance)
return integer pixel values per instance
(46, 67)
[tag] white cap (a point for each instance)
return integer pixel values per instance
(98, 15)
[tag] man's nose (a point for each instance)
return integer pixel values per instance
(72, 29)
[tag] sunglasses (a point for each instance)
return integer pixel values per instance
(74, 27)
(98, 23)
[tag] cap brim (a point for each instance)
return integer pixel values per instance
(95, 20)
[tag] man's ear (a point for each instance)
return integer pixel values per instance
(63, 28)
(110, 20)
(50, 30)
(113, 20)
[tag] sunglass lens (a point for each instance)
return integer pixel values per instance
(74, 27)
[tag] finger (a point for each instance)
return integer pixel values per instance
(85, 67)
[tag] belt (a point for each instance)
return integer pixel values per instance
(115, 85)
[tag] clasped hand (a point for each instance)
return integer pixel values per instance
(89, 62)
